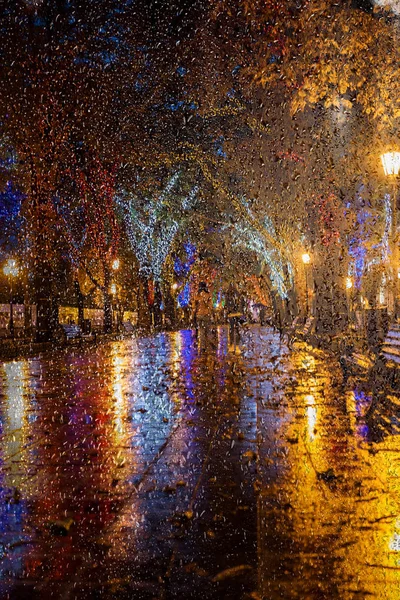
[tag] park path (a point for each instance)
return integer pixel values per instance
(143, 469)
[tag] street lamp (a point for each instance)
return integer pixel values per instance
(391, 163)
(113, 288)
(306, 258)
(11, 270)
(391, 167)
(349, 285)
(113, 291)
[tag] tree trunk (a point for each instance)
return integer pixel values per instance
(80, 301)
(330, 294)
(45, 324)
(170, 309)
(144, 317)
(107, 322)
(157, 305)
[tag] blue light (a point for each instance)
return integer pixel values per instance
(10, 218)
(183, 267)
(184, 296)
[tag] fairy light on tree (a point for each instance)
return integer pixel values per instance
(151, 232)
(152, 225)
(246, 237)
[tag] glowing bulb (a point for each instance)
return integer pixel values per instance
(115, 264)
(11, 268)
(113, 288)
(349, 283)
(391, 163)
(306, 258)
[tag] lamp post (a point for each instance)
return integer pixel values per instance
(391, 167)
(349, 285)
(306, 258)
(174, 288)
(113, 289)
(11, 270)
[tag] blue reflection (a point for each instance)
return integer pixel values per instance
(362, 401)
(188, 354)
(184, 296)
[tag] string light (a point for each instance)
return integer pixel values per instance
(255, 241)
(151, 234)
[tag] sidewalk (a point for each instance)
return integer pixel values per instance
(145, 469)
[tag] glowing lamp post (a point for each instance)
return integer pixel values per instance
(306, 258)
(115, 265)
(391, 163)
(391, 167)
(349, 285)
(174, 295)
(113, 292)
(11, 270)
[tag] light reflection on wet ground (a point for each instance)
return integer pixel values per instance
(164, 468)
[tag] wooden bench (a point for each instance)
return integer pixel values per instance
(293, 329)
(391, 345)
(296, 323)
(70, 332)
(299, 330)
(308, 326)
(128, 328)
(356, 362)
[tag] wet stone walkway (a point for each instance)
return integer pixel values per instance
(145, 469)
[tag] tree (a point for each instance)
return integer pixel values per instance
(152, 224)
(88, 224)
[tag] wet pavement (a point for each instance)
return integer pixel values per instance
(145, 469)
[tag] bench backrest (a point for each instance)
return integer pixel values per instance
(72, 331)
(393, 336)
(309, 324)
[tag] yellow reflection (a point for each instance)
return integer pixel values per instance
(119, 366)
(308, 362)
(311, 416)
(394, 544)
(15, 381)
(176, 351)
(117, 363)
(343, 492)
